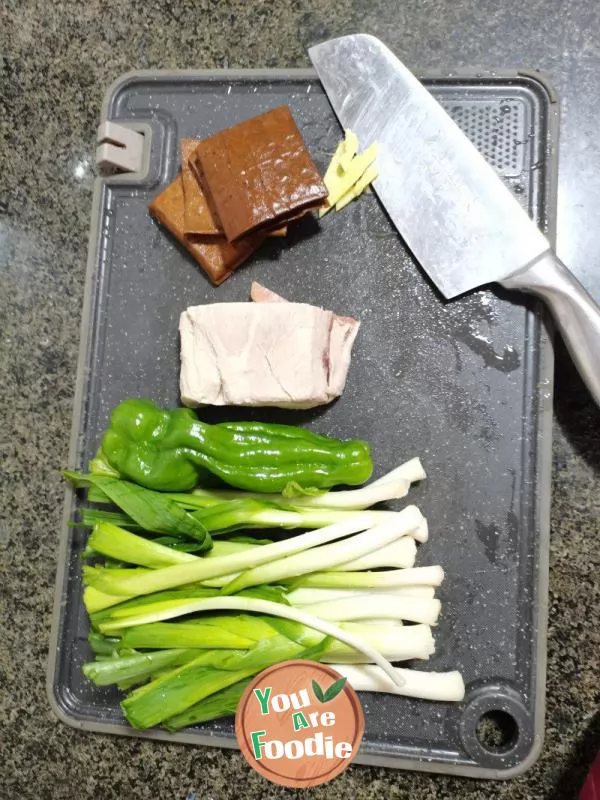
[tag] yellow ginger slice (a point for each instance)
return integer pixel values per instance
(345, 152)
(359, 187)
(342, 183)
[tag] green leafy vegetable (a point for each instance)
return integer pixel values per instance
(137, 667)
(117, 543)
(159, 612)
(203, 569)
(103, 645)
(416, 576)
(206, 674)
(183, 624)
(136, 604)
(195, 634)
(220, 704)
(330, 555)
(151, 510)
(88, 517)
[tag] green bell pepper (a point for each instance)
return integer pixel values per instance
(173, 451)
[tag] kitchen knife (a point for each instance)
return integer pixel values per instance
(453, 211)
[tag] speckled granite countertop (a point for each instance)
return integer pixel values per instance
(56, 61)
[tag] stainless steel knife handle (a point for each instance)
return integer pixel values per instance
(575, 312)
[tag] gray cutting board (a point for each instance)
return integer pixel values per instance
(466, 385)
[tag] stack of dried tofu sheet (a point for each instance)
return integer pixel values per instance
(236, 188)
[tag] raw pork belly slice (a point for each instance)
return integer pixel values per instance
(290, 355)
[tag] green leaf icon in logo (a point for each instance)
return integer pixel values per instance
(318, 692)
(335, 689)
(330, 693)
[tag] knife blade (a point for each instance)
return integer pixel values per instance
(455, 214)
